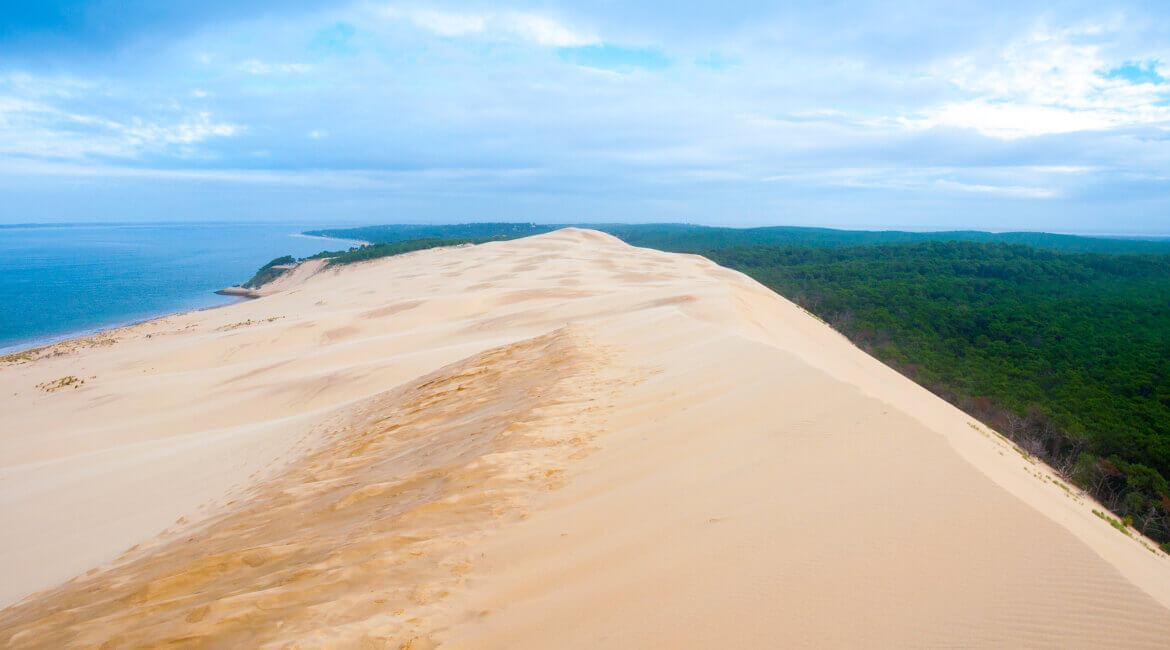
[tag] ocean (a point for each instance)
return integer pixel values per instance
(61, 281)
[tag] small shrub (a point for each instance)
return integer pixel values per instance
(1113, 522)
(62, 382)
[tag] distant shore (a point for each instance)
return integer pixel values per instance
(41, 342)
(355, 242)
(197, 301)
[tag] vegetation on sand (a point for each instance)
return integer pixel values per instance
(270, 271)
(62, 382)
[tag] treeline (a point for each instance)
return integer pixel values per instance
(375, 251)
(679, 237)
(282, 265)
(270, 271)
(1066, 354)
(676, 236)
(405, 232)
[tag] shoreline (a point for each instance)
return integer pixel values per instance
(44, 342)
(230, 297)
(356, 242)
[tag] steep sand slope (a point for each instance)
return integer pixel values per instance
(560, 441)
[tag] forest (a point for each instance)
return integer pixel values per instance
(676, 236)
(1059, 342)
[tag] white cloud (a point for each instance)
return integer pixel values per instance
(1062, 169)
(1002, 190)
(1047, 82)
(1014, 120)
(449, 24)
(31, 128)
(987, 181)
(193, 129)
(336, 179)
(252, 66)
(503, 26)
(545, 31)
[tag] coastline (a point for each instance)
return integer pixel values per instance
(355, 242)
(46, 341)
(226, 296)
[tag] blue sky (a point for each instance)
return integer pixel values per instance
(993, 115)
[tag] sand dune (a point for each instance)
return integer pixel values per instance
(560, 441)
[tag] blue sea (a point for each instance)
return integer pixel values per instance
(60, 281)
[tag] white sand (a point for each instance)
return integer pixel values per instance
(560, 441)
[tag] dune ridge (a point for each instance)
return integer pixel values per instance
(560, 441)
(354, 542)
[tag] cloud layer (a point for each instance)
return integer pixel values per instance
(838, 114)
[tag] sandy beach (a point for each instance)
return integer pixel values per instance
(554, 442)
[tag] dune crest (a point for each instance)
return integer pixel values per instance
(560, 441)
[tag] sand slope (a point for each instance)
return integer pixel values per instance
(560, 441)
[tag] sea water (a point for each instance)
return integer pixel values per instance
(60, 281)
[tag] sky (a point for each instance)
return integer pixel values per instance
(995, 115)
